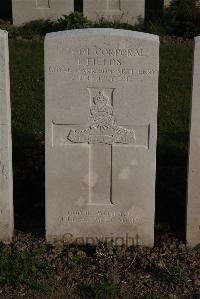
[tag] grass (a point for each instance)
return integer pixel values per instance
(173, 129)
(155, 296)
(23, 268)
(27, 101)
(105, 289)
(176, 273)
(27, 87)
(175, 87)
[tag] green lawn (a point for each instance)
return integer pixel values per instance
(27, 95)
(173, 128)
(27, 87)
(27, 101)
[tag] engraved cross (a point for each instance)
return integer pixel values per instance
(113, 5)
(101, 133)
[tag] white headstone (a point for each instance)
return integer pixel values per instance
(193, 204)
(124, 11)
(28, 10)
(6, 186)
(101, 129)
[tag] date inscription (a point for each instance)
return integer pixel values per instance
(98, 64)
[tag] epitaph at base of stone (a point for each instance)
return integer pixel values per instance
(101, 129)
(193, 201)
(6, 184)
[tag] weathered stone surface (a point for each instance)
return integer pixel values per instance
(101, 129)
(28, 10)
(6, 186)
(193, 204)
(124, 11)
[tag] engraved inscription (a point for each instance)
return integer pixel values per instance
(99, 216)
(42, 4)
(98, 64)
(102, 127)
(91, 74)
(112, 52)
(106, 57)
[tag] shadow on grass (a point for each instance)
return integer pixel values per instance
(28, 177)
(29, 185)
(172, 157)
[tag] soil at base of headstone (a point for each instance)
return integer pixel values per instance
(169, 270)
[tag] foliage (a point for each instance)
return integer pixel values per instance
(170, 269)
(155, 296)
(28, 30)
(116, 25)
(75, 20)
(105, 289)
(37, 27)
(177, 272)
(23, 268)
(79, 257)
(182, 18)
(105, 249)
(41, 27)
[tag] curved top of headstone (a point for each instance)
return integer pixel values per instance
(197, 39)
(3, 33)
(104, 31)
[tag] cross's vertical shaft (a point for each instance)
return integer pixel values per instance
(100, 180)
(113, 4)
